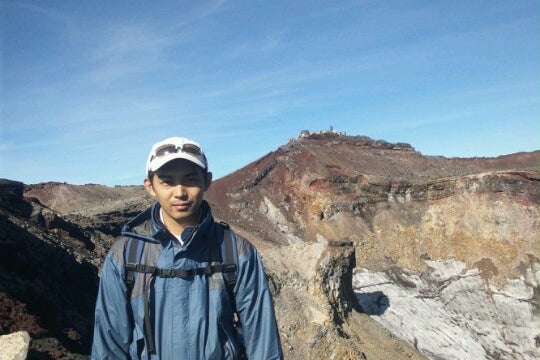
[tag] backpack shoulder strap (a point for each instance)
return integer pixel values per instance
(132, 256)
(229, 256)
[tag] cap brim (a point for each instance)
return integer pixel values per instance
(162, 160)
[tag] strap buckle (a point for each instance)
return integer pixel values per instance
(166, 273)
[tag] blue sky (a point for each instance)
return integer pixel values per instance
(86, 87)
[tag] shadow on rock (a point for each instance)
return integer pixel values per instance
(38, 274)
(373, 303)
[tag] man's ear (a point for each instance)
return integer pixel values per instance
(149, 187)
(208, 181)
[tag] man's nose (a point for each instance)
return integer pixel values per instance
(179, 190)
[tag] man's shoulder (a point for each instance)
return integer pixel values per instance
(243, 245)
(126, 247)
(118, 247)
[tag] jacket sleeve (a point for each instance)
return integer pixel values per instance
(255, 307)
(112, 327)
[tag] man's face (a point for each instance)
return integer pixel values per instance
(179, 187)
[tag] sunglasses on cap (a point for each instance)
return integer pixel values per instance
(170, 149)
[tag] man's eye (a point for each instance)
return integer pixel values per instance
(190, 179)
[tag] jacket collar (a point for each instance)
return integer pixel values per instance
(148, 226)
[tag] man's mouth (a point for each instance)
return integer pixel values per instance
(181, 207)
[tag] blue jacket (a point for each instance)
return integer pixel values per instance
(191, 318)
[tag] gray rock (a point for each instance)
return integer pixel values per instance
(14, 346)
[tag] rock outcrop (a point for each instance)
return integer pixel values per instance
(316, 306)
(14, 346)
(11, 193)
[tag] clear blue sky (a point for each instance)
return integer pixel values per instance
(86, 87)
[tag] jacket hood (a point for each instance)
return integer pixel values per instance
(147, 225)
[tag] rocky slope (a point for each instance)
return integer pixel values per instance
(373, 251)
(53, 238)
(446, 250)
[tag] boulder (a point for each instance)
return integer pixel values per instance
(14, 346)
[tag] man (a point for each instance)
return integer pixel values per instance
(189, 316)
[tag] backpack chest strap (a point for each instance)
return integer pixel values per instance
(178, 273)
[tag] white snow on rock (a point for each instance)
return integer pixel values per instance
(450, 312)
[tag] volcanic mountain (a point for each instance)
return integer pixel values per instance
(444, 251)
(372, 250)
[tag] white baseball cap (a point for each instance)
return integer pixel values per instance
(175, 148)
